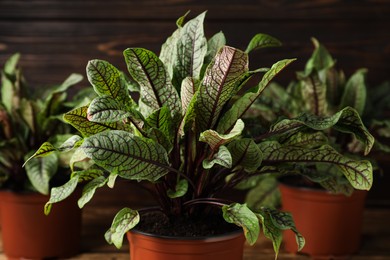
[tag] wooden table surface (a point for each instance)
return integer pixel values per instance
(97, 217)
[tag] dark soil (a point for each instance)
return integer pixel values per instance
(159, 224)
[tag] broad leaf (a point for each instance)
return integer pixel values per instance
(161, 138)
(191, 50)
(214, 44)
(40, 170)
(215, 140)
(265, 194)
(180, 189)
(245, 153)
(346, 121)
(161, 120)
(106, 79)
(270, 231)
(124, 220)
(284, 221)
(320, 59)
(243, 104)
(78, 118)
(359, 173)
(220, 82)
(313, 91)
(131, 157)
(262, 40)
(355, 92)
(156, 88)
(305, 139)
(242, 216)
(188, 89)
(60, 193)
(89, 189)
(47, 148)
(106, 109)
(88, 174)
(222, 157)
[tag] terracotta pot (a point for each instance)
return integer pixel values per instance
(225, 247)
(27, 233)
(331, 224)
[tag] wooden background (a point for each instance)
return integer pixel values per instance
(58, 37)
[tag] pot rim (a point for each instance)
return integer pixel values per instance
(227, 235)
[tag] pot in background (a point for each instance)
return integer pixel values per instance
(331, 224)
(27, 233)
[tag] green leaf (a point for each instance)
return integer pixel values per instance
(70, 81)
(190, 115)
(262, 40)
(161, 120)
(124, 220)
(169, 51)
(28, 112)
(106, 79)
(215, 140)
(88, 174)
(11, 64)
(188, 90)
(191, 50)
(106, 109)
(219, 84)
(161, 138)
(359, 173)
(60, 193)
(78, 118)
(242, 216)
(222, 157)
(284, 221)
(306, 139)
(47, 148)
(320, 59)
(40, 170)
(181, 19)
(214, 44)
(270, 231)
(265, 194)
(313, 91)
(355, 92)
(156, 88)
(243, 104)
(132, 157)
(180, 189)
(89, 190)
(347, 121)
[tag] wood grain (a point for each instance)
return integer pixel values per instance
(58, 37)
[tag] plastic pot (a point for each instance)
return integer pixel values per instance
(29, 234)
(331, 224)
(224, 247)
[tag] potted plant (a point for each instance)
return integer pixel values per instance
(28, 118)
(327, 208)
(184, 140)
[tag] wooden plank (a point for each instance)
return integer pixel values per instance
(171, 9)
(51, 51)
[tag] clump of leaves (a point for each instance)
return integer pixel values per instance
(185, 134)
(324, 92)
(28, 118)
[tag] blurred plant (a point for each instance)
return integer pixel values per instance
(27, 118)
